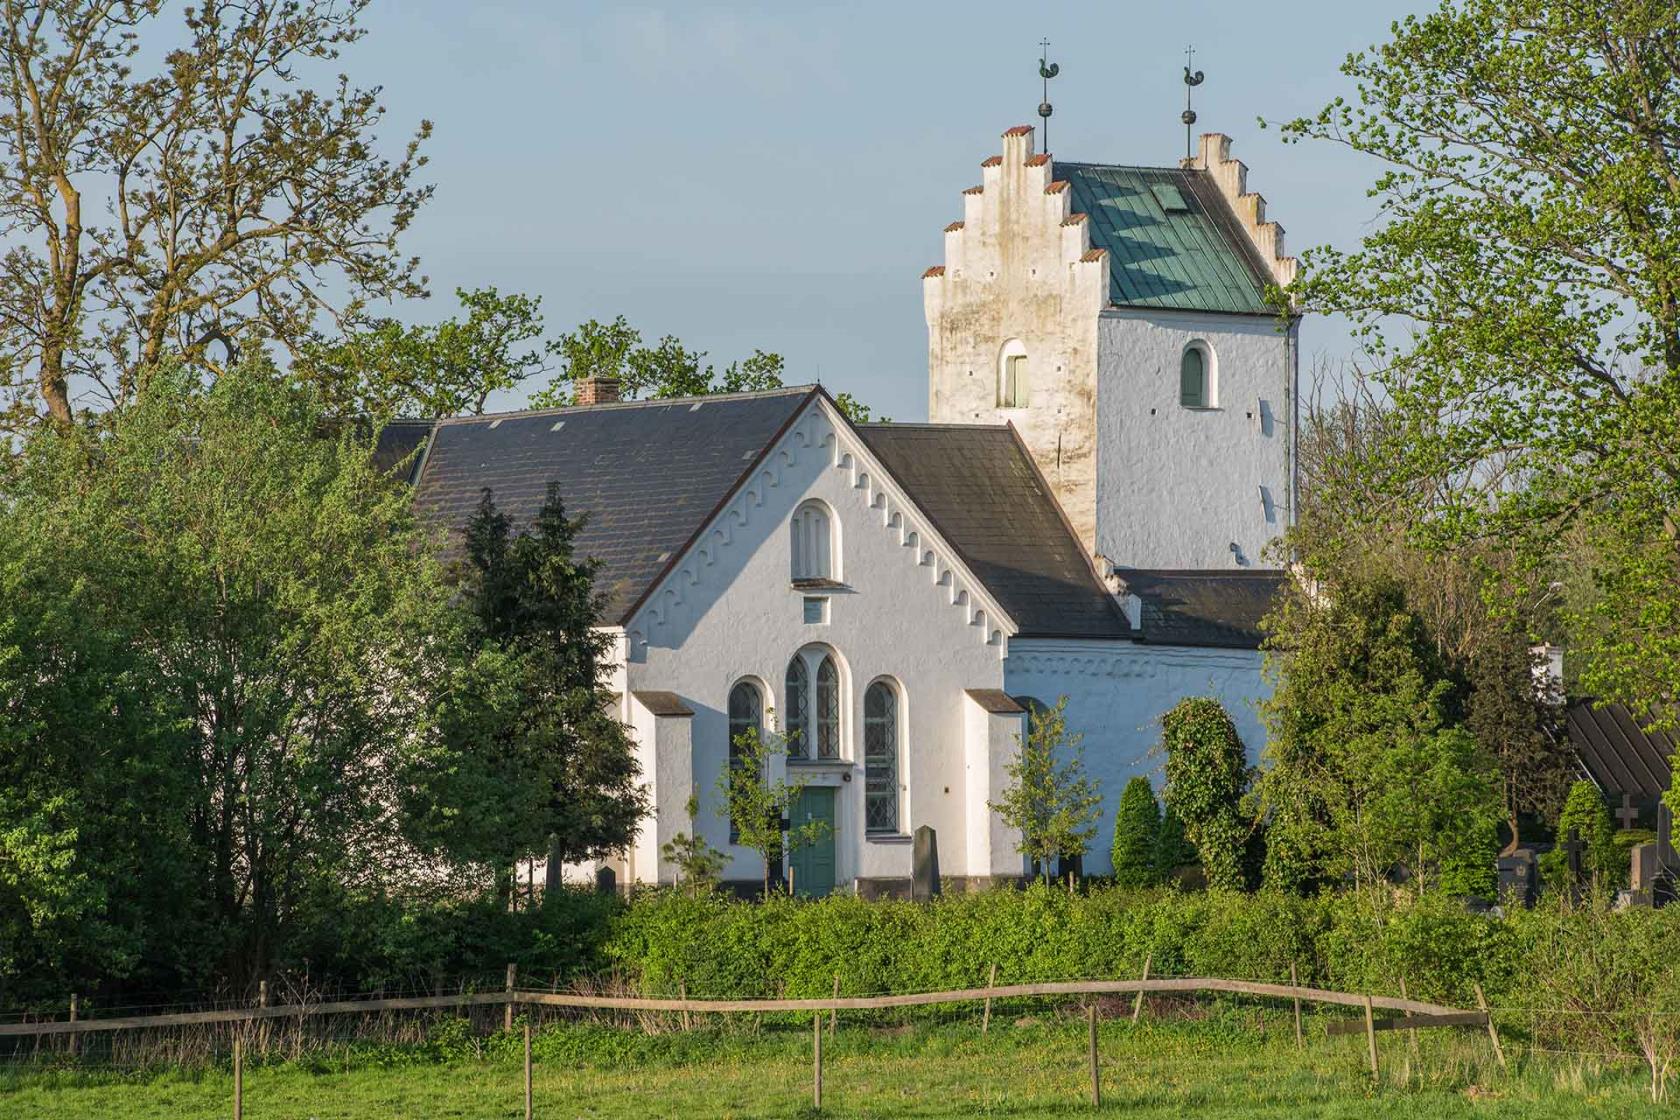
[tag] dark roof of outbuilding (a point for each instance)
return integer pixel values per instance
(397, 443)
(1620, 756)
(1193, 608)
(1189, 255)
(980, 488)
(646, 475)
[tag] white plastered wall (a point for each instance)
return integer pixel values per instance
(1117, 693)
(1176, 486)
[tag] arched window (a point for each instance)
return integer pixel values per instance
(746, 715)
(828, 708)
(1195, 376)
(798, 708)
(880, 758)
(813, 548)
(1013, 390)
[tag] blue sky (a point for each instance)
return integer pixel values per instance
(777, 174)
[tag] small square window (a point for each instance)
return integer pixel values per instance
(816, 609)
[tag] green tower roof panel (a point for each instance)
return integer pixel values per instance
(1172, 242)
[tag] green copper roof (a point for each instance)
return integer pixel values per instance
(1193, 259)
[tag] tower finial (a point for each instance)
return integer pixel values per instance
(1191, 81)
(1046, 70)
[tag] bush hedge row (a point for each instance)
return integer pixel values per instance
(1367, 942)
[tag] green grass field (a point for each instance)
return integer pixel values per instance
(1033, 1068)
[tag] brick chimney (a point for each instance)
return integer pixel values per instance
(597, 390)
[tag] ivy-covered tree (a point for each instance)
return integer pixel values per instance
(1207, 776)
(527, 757)
(1137, 827)
(1588, 816)
(1049, 800)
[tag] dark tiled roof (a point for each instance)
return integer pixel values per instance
(646, 475)
(995, 701)
(1617, 754)
(984, 495)
(397, 443)
(1195, 258)
(1192, 608)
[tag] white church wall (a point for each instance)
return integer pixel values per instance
(1117, 692)
(1223, 472)
(907, 612)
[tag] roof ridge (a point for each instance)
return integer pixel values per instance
(876, 425)
(647, 402)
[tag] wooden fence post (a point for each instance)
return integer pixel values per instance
(834, 1012)
(1412, 1036)
(75, 1008)
(238, 1078)
(262, 1001)
(816, 1061)
(1371, 1038)
(682, 990)
(1137, 1005)
(991, 982)
(1096, 1082)
(527, 1069)
(1493, 1031)
(507, 1014)
(1295, 982)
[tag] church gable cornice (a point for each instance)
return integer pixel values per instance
(820, 430)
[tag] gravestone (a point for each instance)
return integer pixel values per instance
(1628, 814)
(1642, 874)
(1071, 865)
(1517, 877)
(606, 880)
(924, 865)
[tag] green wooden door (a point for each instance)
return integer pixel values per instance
(813, 864)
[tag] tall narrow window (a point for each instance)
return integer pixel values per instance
(813, 551)
(828, 708)
(746, 715)
(798, 708)
(1195, 387)
(880, 758)
(1013, 390)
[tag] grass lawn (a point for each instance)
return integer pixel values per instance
(1032, 1068)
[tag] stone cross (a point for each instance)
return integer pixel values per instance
(1572, 848)
(1628, 813)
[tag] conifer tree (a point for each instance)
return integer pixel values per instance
(1137, 826)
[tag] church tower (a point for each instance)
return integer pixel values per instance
(1118, 317)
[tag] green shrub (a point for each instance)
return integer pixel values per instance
(1585, 811)
(1136, 827)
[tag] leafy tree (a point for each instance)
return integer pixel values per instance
(699, 865)
(223, 629)
(239, 196)
(858, 412)
(1517, 725)
(1207, 775)
(385, 369)
(756, 805)
(1586, 813)
(666, 369)
(1518, 304)
(1367, 764)
(527, 754)
(1137, 827)
(1050, 801)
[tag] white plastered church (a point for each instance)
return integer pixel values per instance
(1110, 448)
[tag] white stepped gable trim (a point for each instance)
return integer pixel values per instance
(826, 433)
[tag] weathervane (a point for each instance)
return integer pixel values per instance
(1046, 70)
(1191, 81)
